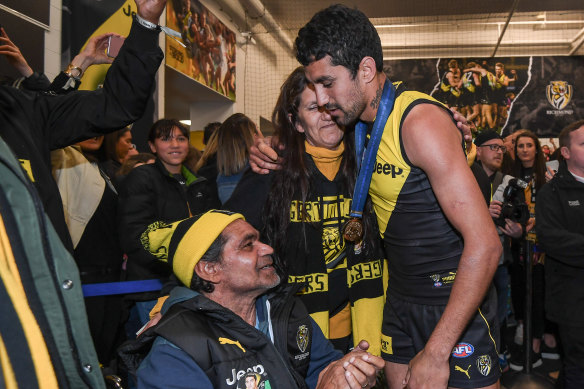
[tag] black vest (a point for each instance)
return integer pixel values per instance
(230, 351)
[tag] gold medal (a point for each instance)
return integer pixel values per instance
(353, 231)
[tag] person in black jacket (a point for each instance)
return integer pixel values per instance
(46, 279)
(165, 191)
(560, 229)
(33, 124)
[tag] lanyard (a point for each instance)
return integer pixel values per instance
(353, 231)
(366, 157)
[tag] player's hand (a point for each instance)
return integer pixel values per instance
(426, 372)
(262, 156)
(465, 126)
(358, 369)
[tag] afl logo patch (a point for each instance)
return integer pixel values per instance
(462, 350)
(302, 338)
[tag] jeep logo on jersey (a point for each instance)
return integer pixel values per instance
(302, 338)
(387, 169)
(462, 350)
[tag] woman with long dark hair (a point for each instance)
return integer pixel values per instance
(529, 166)
(116, 148)
(301, 210)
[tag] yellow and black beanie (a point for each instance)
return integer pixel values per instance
(182, 244)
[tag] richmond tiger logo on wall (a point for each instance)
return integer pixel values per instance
(559, 93)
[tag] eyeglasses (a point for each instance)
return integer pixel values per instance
(496, 148)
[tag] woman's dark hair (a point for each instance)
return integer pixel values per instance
(110, 142)
(163, 129)
(539, 163)
(209, 129)
(213, 254)
(294, 177)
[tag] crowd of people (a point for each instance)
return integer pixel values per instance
(356, 240)
(478, 93)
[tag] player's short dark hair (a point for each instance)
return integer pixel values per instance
(345, 34)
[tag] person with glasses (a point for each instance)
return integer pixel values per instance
(529, 166)
(490, 156)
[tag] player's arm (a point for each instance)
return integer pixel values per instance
(432, 143)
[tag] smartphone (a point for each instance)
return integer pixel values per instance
(114, 44)
(553, 165)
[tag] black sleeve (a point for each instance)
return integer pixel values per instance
(37, 82)
(554, 235)
(64, 84)
(127, 88)
(250, 196)
(137, 210)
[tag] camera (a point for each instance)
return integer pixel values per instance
(513, 207)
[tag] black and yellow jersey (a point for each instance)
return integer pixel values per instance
(422, 248)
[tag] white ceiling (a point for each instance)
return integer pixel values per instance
(419, 28)
(434, 28)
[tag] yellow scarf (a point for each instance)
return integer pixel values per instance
(327, 161)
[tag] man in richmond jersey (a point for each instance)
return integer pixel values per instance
(439, 239)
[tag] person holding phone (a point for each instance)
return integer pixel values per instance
(42, 280)
(69, 79)
(551, 168)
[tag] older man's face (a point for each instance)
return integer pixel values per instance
(246, 263)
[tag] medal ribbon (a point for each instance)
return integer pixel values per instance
(366, 157)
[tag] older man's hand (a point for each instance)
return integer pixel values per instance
(358, 369)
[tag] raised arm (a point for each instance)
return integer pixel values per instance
(13, 54)
(128, 86)
(432, 143)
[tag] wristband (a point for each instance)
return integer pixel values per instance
(147, 24)
(71, 69)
